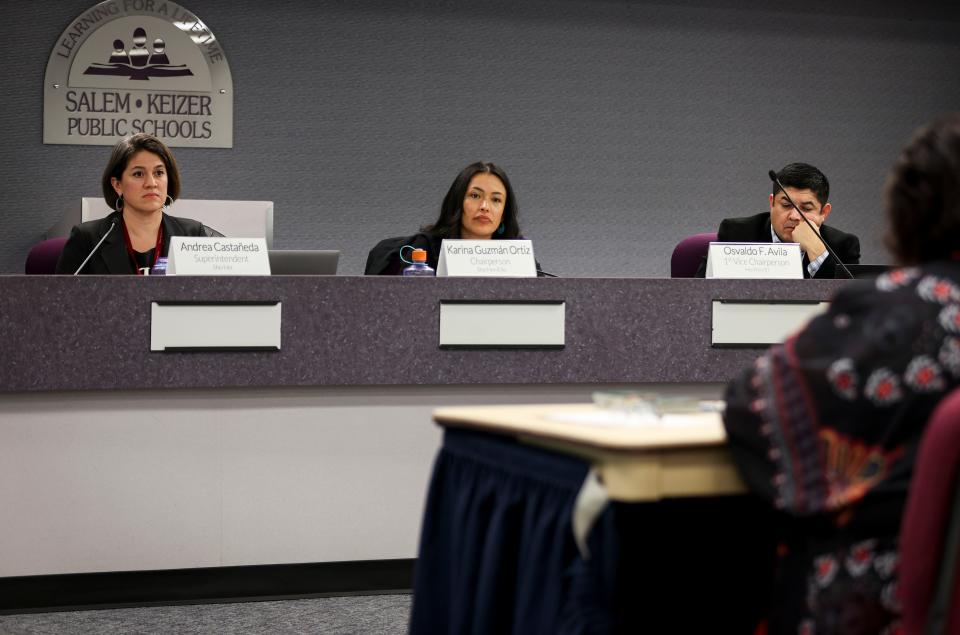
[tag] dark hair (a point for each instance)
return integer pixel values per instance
(923, 195)
(451, 212)
(804, 176)
(126, 148)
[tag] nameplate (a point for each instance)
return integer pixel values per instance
(487, 259)
(757, 324)
(202, 256)
(502, 324)
(754, 260)
(215, 326)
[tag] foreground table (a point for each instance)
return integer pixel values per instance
(498, 551)
(683, 455)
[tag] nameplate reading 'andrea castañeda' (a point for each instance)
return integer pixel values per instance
(754, 260)
(201, 256)
(487, 259)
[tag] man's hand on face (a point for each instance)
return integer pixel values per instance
(808, 238)
(788, 224)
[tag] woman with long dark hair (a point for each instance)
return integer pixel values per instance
(480, 205)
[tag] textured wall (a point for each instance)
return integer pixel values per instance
(624, 125)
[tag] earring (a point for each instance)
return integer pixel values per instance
(118, 205)
(167, 205)
(501, 229)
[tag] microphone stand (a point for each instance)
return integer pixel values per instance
(773, 177)
(95, 248)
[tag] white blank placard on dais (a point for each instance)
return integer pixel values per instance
(502, 324)
(755, 323)
(198, 326)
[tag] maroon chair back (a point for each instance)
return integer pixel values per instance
(43, 257)
(688, 253)
(930, 534)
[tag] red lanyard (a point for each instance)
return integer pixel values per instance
(133, 256)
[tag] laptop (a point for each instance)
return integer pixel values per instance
(303, 262)
(862, 272)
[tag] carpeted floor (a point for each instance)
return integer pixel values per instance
(356, 614)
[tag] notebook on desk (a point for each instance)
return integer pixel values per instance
(304, 262)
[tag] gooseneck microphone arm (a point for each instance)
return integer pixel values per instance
(95, 248)
(773, 177)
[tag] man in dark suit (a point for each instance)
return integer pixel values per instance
(809, 189)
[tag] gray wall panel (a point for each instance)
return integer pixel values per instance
(624, 125)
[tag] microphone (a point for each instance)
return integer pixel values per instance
(95, 248)
(773, 177)
(545, 274)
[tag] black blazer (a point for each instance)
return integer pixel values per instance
(756, 229)
(112, 257)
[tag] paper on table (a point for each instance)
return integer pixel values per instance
(621, 419)
(612, 418)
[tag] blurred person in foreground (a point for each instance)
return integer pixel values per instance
(826, 426)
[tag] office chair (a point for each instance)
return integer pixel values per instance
(930, 533)
(43, 256)
(688, 254)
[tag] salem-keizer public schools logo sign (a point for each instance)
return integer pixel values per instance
(128, 66)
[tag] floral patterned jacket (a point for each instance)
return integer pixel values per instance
(826, 428)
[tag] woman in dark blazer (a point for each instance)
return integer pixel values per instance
(140, 181)
(480, 205)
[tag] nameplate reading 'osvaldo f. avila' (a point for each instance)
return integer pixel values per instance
(487, 259)
(203, 256)
(754, 260)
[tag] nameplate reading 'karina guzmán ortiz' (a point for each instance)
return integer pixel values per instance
(129, 66)
(204, 256)
(487, 259)
(754, 260)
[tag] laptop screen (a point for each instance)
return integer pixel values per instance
(304, 262)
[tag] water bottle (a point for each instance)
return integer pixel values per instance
(159, 267)
(419, 266)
